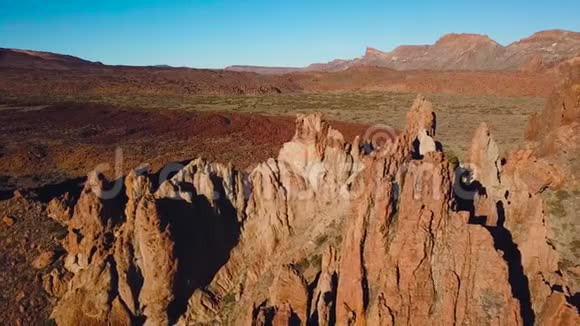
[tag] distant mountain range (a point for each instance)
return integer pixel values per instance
(458, 52)
(27, 59)
(542, 50)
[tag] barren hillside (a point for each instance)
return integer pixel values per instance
(27, 59)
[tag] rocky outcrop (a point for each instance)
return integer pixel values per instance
(415, 261)
(514, 202)
(292, 201)
(131, 258)
(90, 293)
(289, 293)
(554, 127)
(323, 305)
(524, 194)
(329, 233)
(61, 209)
(485, 166)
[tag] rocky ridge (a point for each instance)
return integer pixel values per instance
(331, 233)
(459, 51)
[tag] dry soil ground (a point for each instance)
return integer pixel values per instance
(48, 144)
(458, 115)
(51, 144)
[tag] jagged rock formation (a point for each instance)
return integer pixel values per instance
(530, 197)
(323, 305)
(325, 234)
(406, 247)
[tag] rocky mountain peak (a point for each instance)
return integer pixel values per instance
(465, 39)
(551, 35)
(372, 52)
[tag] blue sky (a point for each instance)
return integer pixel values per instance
(215, 33)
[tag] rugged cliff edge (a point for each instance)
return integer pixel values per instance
(336, 233)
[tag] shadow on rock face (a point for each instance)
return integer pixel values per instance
(204, 235)
(72, 186)
(575, 301)
(518, 280)
(465, 193)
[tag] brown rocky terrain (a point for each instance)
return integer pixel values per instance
(43, 145)
(111, 80)
(482, 83)
(332, 232)
(48, 86)
(540, 51)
